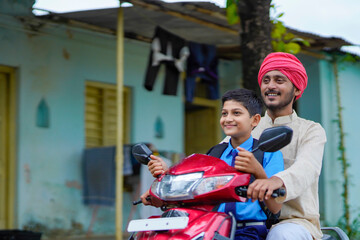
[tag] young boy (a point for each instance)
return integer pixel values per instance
(241, 110)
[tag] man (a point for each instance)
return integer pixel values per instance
(282, 80)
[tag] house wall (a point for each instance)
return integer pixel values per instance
(330, 170)
(349, 84)
(348, 75)
(309, 106)
(230, 73)
(53, 63)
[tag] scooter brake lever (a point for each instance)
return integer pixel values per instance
(241, 191)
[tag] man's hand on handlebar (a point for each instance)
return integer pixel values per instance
(261, 189)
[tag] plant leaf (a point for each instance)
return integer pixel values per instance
(289, 36)
(292, 47)
(232, 12)
(280, 15)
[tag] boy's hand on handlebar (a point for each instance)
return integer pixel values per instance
(146, 200)
(157, 166)
(261, 189)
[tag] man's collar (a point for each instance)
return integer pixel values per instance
(281, 120)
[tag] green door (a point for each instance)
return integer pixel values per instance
(201, 127)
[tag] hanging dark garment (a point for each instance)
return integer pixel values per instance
(202, 63)
(99, 176)
(168, 49)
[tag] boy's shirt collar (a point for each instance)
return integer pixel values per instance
(247, 145)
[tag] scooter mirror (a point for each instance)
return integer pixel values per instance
(141, 153)
(275, 138)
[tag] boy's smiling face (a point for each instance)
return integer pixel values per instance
(236, 121)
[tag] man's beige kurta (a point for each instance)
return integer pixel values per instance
(302, 163)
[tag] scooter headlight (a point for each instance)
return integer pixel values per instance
(187, 186)
(211, 183)
(177, 187)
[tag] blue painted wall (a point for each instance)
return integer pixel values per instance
(323, 97)
(349, 83)
(54, 64)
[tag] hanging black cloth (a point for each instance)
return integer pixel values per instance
(168, 49)
(202, 63)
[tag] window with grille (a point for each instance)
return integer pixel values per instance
(101, 114)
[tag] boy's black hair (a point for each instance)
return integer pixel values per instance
(246, 97)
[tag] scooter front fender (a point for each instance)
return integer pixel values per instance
(202, 224)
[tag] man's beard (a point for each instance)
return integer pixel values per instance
(289, 97)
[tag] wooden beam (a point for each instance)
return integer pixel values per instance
(135, 36)
(314, 54)
(120, 140)
(91, 27)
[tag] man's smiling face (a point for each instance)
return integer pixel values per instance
(277, 91)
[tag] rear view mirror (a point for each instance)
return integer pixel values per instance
(141, 153)
(275, 138)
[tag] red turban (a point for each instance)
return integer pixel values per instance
(288, 65)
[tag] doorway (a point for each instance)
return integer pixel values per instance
(7, 147)
(202, 128)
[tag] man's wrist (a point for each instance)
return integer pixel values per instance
(278, 181)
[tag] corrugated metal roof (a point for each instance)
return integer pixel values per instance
(201, 22)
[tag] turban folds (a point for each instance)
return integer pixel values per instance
(288, 65)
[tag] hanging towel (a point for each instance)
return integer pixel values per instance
(99, 176)
(128, 168)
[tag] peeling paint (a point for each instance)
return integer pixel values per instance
(58, 232)
(66, 54)
(69, 33)
(27, 173)
(32, 24)
(73, 184)
(40, 77)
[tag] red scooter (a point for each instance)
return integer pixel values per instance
(191, 190)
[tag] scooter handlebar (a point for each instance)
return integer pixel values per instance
(139, 201)
(278, 193)
(242, 192)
